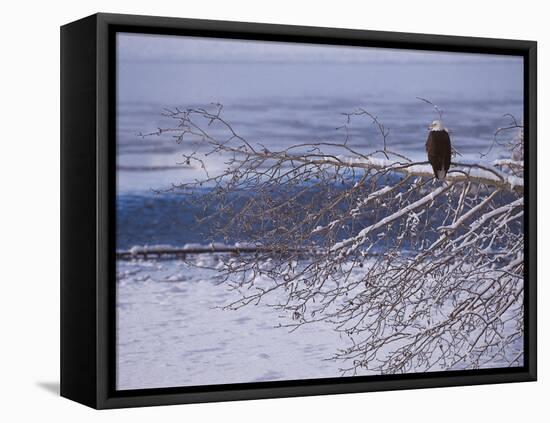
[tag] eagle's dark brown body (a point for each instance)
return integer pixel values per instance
(438, 147)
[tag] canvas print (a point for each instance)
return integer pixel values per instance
(290, 211)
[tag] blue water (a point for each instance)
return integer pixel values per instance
(285, 102)
(172, 219)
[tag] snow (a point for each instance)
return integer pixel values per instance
(514, 181)
(188, 247)
(169, 332)
(172, 331)
(484, 171)
(137, 249)
(358, 239)
(508, 162)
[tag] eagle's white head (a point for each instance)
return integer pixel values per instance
(437, 125)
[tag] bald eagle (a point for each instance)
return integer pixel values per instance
(438, 147)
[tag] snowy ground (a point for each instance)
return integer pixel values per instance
(172, 331)
(170, 334)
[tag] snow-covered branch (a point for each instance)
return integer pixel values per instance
(415, 273)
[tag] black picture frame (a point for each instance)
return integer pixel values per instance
(88, 213)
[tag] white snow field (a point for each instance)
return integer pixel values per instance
(169, 333)
(172, 331)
